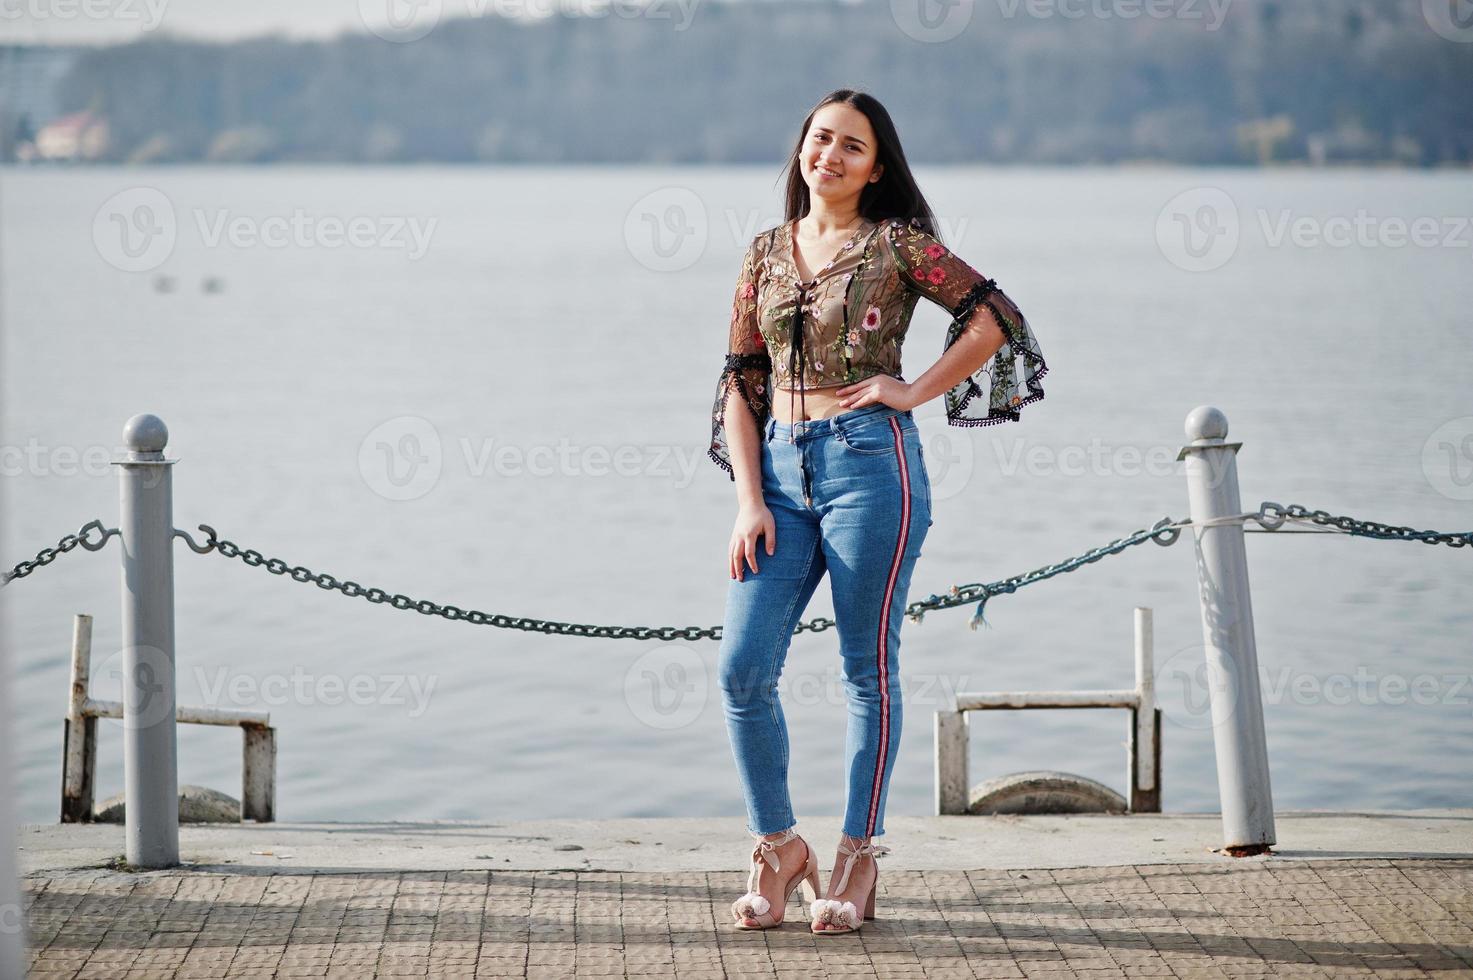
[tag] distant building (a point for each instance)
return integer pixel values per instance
(29, 77)
(79, 136)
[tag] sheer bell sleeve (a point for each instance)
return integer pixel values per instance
(1011, 378)
(747, 367)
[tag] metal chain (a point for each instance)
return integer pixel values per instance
(1162, 532)
(299, 573)
(47, 555)
(1270, 516)
(1367, 529)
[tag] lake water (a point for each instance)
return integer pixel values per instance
(509, 412)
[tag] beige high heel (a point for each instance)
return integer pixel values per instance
(753, 905)
(845, 915)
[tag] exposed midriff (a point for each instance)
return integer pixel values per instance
(821, 402)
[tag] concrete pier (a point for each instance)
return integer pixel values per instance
(1378, 893)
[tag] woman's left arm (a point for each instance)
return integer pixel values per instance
(990, 364)
(980, 340)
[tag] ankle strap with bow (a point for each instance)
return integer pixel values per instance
(766, 850)
(869, 847)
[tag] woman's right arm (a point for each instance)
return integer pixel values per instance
(741, 412)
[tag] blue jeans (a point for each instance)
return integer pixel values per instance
(849, 495)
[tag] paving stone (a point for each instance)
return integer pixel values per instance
(1377, 918)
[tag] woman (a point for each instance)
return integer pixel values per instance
(839, 485)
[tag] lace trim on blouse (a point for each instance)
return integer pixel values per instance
(1011, 378)
(922, 266)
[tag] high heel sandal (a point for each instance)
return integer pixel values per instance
(845, 915)
(753, 905)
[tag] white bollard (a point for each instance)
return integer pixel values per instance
(1227, 632)
(150, 771)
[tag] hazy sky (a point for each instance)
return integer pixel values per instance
(104, 21)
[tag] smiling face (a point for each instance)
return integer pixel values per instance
(839, 153)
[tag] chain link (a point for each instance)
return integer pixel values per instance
(47, 555)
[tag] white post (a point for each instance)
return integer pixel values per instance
(951, 734)
(1144, 764)
(12, 912)
(1227, 632)
(150, 772)
(79, 742)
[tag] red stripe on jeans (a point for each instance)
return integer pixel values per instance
(882, 643)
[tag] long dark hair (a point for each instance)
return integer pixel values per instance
(894, 195)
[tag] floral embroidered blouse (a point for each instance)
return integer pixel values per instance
(849, 321)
